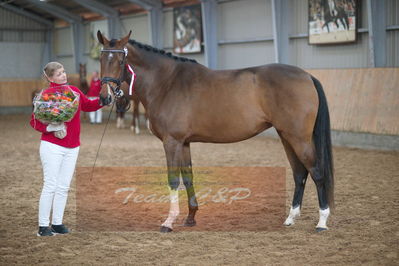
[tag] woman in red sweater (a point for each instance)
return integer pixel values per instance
(59, 150)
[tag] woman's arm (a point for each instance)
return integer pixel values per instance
(37, 125)
(88, 105)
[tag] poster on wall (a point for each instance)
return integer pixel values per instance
(187, 29)
(332, 21)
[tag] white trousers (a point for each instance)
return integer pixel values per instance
(58, 167)
(95, 117)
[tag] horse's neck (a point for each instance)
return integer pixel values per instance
(151, 75)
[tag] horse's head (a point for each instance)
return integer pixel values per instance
(112, 60)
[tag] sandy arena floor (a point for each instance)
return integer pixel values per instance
(363, 230)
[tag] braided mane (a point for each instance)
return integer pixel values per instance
(160, 52)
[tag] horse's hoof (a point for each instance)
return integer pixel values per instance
(289, 222)
(190, 223)
(165, 229)
(321, 229)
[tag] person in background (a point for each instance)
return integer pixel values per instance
(59, 148)
(94, 92)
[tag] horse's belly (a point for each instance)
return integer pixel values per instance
(228, 130)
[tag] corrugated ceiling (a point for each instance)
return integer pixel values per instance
(123, 7)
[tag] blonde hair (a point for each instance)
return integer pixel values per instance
(50, 68)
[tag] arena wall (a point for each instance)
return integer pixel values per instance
(22, 44)
(18, 93)
(362, 100)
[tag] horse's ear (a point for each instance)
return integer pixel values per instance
(125, 39)
(102, 39)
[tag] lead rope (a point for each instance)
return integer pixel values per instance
(99, 146)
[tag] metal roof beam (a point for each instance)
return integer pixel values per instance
(47, 55)
(78, 44)
(377, 32)
(56, 11)
(114, 27)
(114, 23)
(154, 3)
(98, 7)
(155, 17)
(209, 20)
(281, 22)
(147, 4)
(28, 14)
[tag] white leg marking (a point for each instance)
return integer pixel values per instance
(118, 122)
(294, 213)
(323, 218)
(137, 129)
(149, 126)
(174, 210)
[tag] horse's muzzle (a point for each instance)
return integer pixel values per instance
(105, 100)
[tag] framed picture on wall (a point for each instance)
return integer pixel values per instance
(187, 29)
(332, 21)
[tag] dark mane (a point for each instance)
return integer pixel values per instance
(160, 52)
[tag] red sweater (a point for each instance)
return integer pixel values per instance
(72, 139)
(95, 88)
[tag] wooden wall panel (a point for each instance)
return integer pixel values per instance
(18, 93)
(362, 100)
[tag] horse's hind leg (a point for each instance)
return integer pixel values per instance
(300, 176)
(187, 175)
(305, 152)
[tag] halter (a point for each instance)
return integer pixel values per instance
(105, 80)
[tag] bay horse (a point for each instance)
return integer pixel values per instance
(83, 86)
(187, 102)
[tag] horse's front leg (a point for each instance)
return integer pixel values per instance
(120, 119)
(187, 175)
(174, 154)
(136, 122)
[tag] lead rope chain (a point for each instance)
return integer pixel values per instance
(99, 146)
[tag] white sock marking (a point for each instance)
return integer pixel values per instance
(294, 213)
(174, 210)
(323, 218)
(137, 128)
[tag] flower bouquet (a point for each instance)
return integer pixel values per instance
(56, 105)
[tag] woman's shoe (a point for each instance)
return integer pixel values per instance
(45, 231)
(59, 229)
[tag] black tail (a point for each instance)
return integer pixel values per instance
(322, 142)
